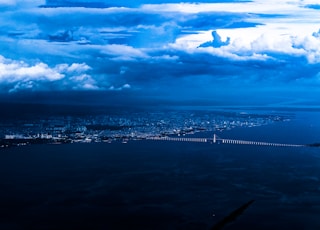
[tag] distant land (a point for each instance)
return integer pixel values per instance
(23, 124)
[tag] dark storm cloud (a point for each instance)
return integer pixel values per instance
(109, 3)
(135, 28)
(316, 34)
(65, 36)
(152, 51)
(216, 42)
(207, 21)
(119, 25)
(314, 6)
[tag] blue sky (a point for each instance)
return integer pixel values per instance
(210, 52)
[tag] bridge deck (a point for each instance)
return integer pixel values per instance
(216, 139)
(186, 139)
(242, 142)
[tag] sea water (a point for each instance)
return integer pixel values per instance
(166, 185)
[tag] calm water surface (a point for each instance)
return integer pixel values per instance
(166, 185)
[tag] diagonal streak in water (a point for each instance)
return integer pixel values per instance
(232, 216)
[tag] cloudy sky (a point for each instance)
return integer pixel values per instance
(196, 53)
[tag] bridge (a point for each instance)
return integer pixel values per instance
(217, 140)
(185, 139)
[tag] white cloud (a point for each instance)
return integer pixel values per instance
(123, 52)
(125, 86)
(83, 81)
(288, 23)
(13, 71)
(7, 2)
(73, 68)
(22, 3)
(123, 41)
(308, 2)
(19, 75)
(257, 6)
(311, 46)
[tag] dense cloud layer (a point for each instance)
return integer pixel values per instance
(15, 76)
(179, 51)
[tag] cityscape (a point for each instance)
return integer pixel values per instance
(159, 114)
(59, 129)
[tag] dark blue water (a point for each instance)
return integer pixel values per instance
(166, 185)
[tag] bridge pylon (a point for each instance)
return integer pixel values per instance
(214, 138)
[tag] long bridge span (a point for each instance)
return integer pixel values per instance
(217, 140)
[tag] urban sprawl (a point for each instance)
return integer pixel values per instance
(123, 127)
